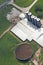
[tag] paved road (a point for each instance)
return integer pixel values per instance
(29, 7)
(35, 62)
(37, 54)
(6, 31)
(21, 9)
(24, 9)
(4, 4)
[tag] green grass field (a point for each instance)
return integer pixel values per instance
(2, 1)
(34, 45)
(23, 3)
(41, 56)
(8, 45)
(4, 23)
(38, 5)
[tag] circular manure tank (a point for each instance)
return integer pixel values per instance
(24, 52)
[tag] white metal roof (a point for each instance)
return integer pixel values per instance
(25, 30)
(19, 33)
(40, 40)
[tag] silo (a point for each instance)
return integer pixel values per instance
(29, 16)
(32, 19)
(38, 23)
(35, 20)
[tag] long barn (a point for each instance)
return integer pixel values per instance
(25, 30)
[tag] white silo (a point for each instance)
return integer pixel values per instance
(38, 23)
(35, 20)
(29, 16)
(32, 19)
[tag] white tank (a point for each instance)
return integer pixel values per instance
(29, 16)
(29, 13)
(32, 18)
(38, 19)
(35, 20)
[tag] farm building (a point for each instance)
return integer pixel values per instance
(25, 30)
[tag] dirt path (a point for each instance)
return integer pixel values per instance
(6, 31)
(29, 7)
(35, 62)
(38, 52)
(36, 55)
(23, 9)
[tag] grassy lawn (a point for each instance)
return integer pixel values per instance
(39, 6)
(34, 45)
(41, 56)
(23, 3)
(4, 23)
(8, 45)
(2, 1)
